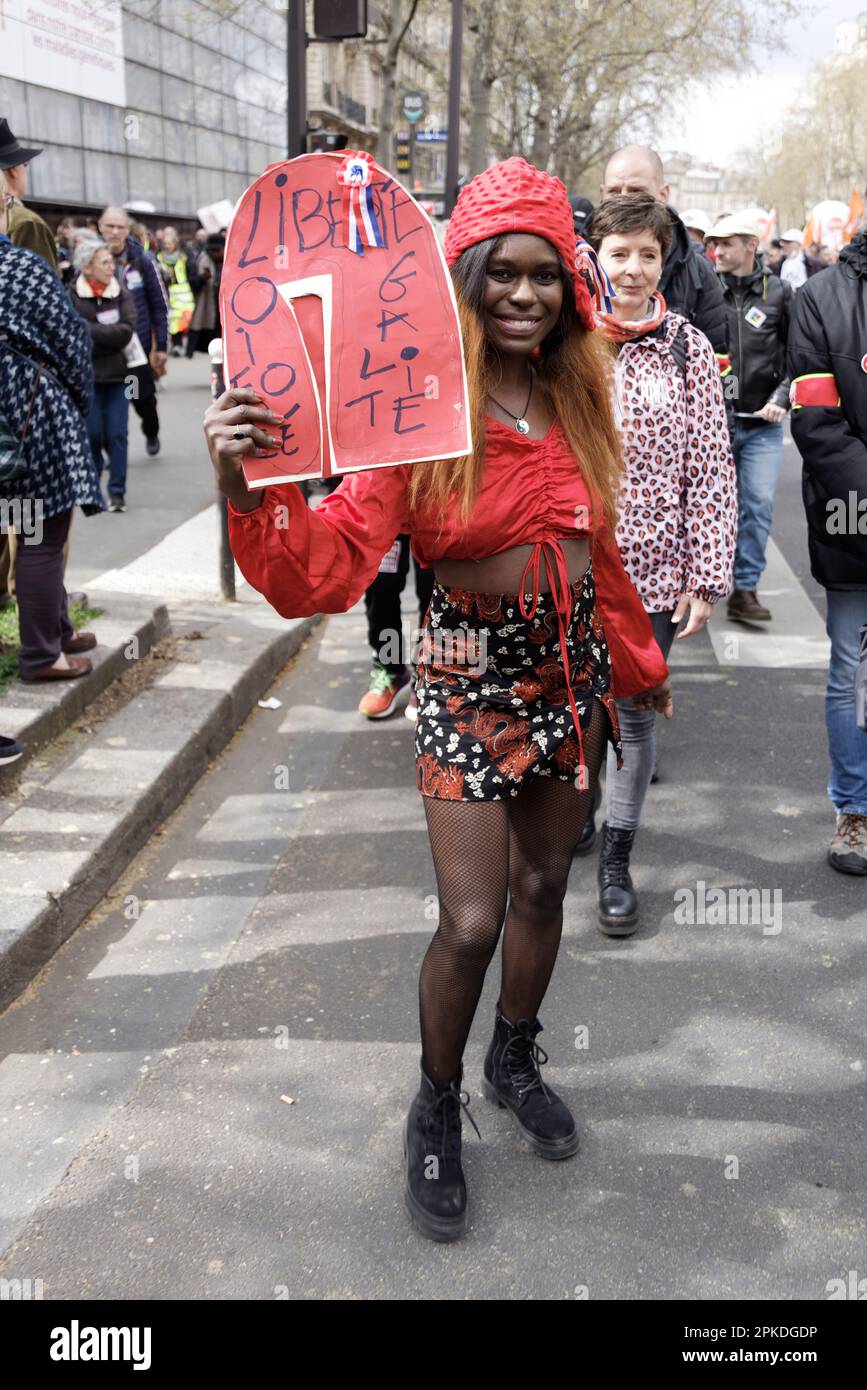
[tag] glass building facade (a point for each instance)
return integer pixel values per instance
(205, 111)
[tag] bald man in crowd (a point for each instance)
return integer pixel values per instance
(688, 284)
(138, 273)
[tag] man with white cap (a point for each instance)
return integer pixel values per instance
(796, 267)
(758, 305)
(697, 224)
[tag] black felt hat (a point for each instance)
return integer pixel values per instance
(11, 152)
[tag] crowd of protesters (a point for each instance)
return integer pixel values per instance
(717, 281)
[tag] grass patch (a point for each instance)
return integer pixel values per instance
(10, 644)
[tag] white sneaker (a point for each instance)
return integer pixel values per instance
(848, 852)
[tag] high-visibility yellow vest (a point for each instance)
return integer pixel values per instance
(182, 301)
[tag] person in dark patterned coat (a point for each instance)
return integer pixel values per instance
(38, 325)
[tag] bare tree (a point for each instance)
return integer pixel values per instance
(573, 82)
(396, 24)
(820, 150)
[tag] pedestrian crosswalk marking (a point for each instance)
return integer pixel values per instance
(794, 638)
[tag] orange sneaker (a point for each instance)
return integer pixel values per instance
(386, 694)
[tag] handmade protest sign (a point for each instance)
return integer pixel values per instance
(338, 308)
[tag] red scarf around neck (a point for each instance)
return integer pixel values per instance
(620, 332)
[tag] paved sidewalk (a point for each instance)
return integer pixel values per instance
(214, 1072)
(94, 800)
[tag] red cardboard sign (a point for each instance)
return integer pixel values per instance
(359, 351)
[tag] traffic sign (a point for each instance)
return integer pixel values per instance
(414, 105)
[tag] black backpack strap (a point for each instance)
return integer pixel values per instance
(677, 348)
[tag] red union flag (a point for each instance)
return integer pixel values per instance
(338, 309)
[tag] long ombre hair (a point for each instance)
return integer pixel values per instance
(574, 370)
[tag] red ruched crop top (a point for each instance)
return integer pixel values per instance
(308, 561)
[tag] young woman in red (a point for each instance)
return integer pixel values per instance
(532, 630)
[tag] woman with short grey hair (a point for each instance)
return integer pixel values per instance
(109, 310)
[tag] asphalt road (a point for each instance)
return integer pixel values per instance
(162, 491)
(202, 1096)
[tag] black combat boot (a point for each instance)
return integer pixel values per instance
(512, 1080)
(436, 1193)
(618, 905)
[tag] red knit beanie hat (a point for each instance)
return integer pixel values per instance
(517, 197)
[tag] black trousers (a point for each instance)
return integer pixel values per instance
(42, 617)
(382, 601)
(145, 401)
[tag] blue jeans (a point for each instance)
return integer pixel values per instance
(625, 790)
(107, 422)
(758, 451)
(847, 744)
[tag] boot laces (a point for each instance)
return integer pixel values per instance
(522, 1056)
(853, 829)
(443, 1119)
(614, 862)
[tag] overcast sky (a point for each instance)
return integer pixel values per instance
(724, 117)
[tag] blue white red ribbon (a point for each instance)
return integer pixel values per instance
(355, 177)
(601, 287)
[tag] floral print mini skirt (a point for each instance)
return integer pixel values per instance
(493, 708)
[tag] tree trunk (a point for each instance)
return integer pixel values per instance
(541, 132)
(397, 30)
(389, 88)
(483, 74)
(480, 106)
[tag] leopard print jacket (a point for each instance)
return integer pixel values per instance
(678, 503)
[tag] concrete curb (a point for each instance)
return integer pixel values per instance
(71, 840)
(36, 714)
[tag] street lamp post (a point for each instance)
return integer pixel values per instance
(296, 79)
(453, 149)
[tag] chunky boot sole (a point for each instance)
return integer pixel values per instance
(618, 926)
(546, 1148)
(441, 1228)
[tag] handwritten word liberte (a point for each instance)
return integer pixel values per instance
(375, 367)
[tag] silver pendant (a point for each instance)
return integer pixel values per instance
(522, 426)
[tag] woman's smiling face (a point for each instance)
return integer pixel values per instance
(633, 261)
(523, 293)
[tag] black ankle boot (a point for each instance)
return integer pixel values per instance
(436, 1193)
(618, 905)
(512, 1080)
(587, 838)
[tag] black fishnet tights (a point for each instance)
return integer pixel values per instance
(483, 851)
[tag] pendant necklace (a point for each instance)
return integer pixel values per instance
(522, 425)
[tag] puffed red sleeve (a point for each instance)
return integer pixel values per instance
(637, 664)
(307, 561)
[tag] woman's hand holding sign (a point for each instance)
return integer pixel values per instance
(233, 430)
